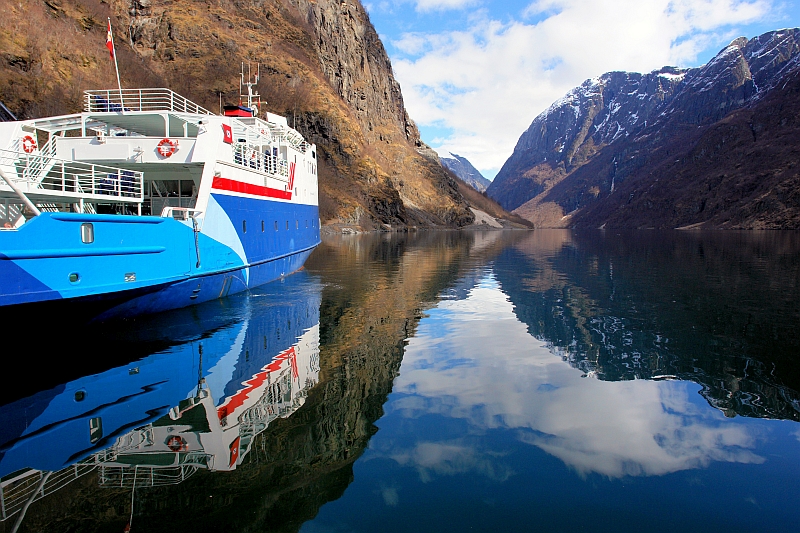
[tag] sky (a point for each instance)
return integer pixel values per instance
(475, 73)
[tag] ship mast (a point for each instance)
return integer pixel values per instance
(252, 96)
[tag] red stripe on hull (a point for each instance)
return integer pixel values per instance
(225, 184)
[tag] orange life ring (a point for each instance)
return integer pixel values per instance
(167, 147)
(176, 444)
(28, 144)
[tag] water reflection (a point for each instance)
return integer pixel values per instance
(369, 295)
(488, 380)
(488, 371)
(237, 366)
(591, 382)
(718, 309)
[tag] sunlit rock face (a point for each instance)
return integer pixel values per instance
(622, 149)
(322, 65)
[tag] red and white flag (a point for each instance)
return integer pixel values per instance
(227, 134)
(110, 41)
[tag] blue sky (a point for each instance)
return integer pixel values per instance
(475, 73)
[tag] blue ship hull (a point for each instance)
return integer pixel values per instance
(144, 264)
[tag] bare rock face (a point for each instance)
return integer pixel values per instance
(461, 167)
(620, 132)
(573, 129)
(322, 66)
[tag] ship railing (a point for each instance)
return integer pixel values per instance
(149, 475)
(153, 99)
(258, 132)
(12, 213)
(19, 492)
(73, 179)
(38, 164)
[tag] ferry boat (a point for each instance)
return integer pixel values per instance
(146, 202)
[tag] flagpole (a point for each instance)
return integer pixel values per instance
(116, 67)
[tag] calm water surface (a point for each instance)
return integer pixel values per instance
(440, 381)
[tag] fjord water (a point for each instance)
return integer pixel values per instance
(443, 381)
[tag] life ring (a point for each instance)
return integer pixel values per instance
(167, 147)
(28, 144)
(176, 444)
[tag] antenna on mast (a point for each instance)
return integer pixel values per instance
(253, 98)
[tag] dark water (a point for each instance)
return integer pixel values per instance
(501, 381)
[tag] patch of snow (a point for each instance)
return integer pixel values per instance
(670, 76)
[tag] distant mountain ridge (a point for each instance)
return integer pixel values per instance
(462, 168)
(606, 153)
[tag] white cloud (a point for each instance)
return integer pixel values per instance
(487, 82)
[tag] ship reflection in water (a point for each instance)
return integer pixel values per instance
(238, 365)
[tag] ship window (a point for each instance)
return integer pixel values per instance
(296, 224)
(276, 225)
(262, 226)
(95, 429)
(306, 223)
(87, 232)
(74, 277)
(287, 225)
(244, 226)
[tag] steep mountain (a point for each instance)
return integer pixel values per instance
(322, 64)
(461, 167)
(713, 146)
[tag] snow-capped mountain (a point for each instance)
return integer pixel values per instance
(617, 126)
(462, 168)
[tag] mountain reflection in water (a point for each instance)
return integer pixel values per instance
(444, 381)
(720, 309)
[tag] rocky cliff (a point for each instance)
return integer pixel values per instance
(461, 167)
(322, 63)
(711, 146)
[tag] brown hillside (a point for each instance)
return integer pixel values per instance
(322, 64)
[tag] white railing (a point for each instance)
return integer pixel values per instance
(73, 179)
(184, 465)
(160, 99)
(19, 492)
(11, 211)
(250, 128)
(39, 164)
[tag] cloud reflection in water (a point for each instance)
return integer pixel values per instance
(474, 361)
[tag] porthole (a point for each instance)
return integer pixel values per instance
(74, 277)
(80, 395)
